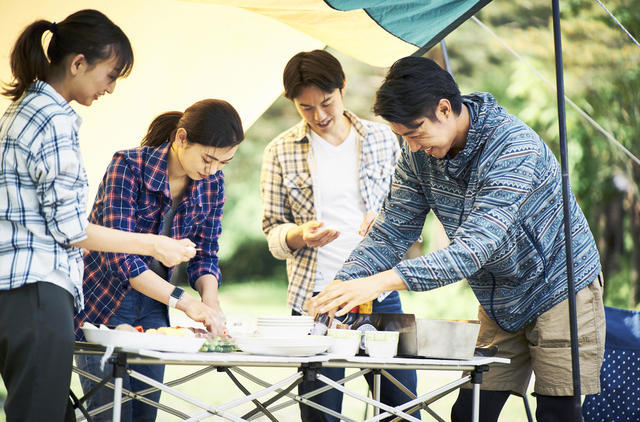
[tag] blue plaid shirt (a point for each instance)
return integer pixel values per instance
(134, 196)
(43, 192)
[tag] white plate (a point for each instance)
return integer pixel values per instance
(132, 340)
(284, 346)
(289, 319)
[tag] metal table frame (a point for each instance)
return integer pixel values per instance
(232, 363)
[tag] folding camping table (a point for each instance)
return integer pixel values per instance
(233, 363)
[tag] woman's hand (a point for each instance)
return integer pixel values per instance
(213, 319)
(171, 251)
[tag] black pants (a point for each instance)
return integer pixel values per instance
(36, 352)
(548, 409)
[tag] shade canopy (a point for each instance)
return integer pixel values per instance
(230, 49)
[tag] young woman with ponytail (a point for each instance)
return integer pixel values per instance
(43, 199)
(171, 185)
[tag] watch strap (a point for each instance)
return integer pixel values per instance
(175, 296)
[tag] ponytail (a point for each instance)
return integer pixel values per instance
(162, 129)
(212, 123)
(28, 61)
(87, 32)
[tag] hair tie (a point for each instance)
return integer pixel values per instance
(53, 27)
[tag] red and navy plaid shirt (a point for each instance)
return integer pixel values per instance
(134, 196)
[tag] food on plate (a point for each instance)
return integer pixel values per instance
(172, 331)
(218, 344)
(128, 327)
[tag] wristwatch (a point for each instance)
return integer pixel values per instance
(176, 295)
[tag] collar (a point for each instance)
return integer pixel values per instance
(155, 168)
(301, 130)
(479, 105)
(41, 87)
(156, 177)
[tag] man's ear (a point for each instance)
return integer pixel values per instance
(77, 64)
(344, 87)
(444, 108)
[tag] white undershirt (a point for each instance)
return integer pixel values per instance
(337, 200)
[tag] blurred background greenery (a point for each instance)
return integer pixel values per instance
(602, 76)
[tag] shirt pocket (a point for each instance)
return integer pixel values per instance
(300, 194)
(148, 215)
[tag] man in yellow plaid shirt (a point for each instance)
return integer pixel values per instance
(323, 182)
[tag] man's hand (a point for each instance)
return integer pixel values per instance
(367, 223)
(351, 293)
(310, 234)
(172, 251)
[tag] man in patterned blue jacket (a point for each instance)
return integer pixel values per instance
(496, 188)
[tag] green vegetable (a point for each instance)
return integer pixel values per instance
(218, 345)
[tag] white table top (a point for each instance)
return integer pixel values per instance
(241, 358)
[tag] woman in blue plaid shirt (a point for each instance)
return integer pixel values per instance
(171, 185)
(43, 190)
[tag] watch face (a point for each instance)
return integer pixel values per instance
(177, 293)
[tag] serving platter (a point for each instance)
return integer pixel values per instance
(284, 346)
(146, 341)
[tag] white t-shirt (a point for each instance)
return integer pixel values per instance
(338, 201)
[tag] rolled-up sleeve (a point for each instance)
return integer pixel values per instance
(206, 237)
(277, 219)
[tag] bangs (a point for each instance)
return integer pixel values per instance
(124, 54)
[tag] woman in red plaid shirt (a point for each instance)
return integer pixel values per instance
(171, 185)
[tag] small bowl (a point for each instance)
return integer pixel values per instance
(344, 342)
(381, 344)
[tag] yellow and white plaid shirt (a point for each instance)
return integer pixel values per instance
(287, 193)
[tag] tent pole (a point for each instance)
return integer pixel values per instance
(445, 55)
(575, 357)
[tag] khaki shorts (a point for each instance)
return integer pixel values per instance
(544, 347)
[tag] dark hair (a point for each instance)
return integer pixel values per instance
(212, 123)
(87, 32)
(412, 89)
(316, 67)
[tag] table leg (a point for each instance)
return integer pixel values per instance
(119, 371)
(376, 390)
(476, 380)
(475, 415)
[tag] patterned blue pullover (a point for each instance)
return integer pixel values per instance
(500, 202)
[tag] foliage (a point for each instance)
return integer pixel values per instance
(252, 261)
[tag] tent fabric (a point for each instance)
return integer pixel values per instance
(376, 32)
(619, 398)
(421, 23)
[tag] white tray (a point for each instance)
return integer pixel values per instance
(133, 340)
(284, 346)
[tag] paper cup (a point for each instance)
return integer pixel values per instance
(344, 342)
(381, 344)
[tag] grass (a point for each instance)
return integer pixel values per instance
(268, 298)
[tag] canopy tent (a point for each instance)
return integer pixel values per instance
(189, 50)
(236, 49)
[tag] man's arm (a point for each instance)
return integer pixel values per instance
(397, 227)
